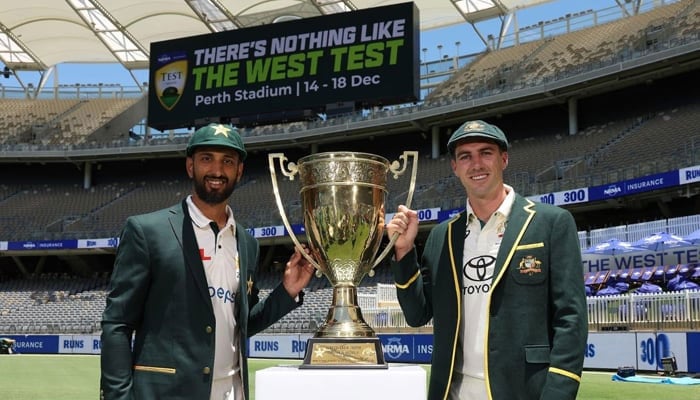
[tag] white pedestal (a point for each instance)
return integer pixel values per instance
(405, 382)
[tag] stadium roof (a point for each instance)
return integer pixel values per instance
(36, 35)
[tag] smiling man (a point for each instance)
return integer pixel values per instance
(502, 282)
(184, 289)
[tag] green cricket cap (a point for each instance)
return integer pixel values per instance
(478, 129)
(217, 135)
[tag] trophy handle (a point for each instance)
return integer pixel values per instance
(395, 165)
(293, 170)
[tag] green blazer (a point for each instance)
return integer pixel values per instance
(538, 326)
(158, 293)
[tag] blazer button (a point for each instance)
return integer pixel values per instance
(209, 329)
(206, 370)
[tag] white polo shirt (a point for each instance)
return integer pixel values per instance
(219, 254)
(481, 245)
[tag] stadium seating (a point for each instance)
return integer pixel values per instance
(58, 303)
(638, 144)
(56, 122)
(554, 57)
(52, 303)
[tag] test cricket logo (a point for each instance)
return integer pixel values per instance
(170, 78)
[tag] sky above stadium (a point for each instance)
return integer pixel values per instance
(469, 42)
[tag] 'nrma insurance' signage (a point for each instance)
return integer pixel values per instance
(368, 56)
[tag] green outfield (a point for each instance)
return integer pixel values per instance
(75, 377)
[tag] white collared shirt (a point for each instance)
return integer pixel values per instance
(481, 245)
(219, 255)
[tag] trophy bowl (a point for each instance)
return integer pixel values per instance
(342, 200)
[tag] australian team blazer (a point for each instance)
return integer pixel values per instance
(537, 327)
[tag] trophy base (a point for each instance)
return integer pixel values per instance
(344, 353)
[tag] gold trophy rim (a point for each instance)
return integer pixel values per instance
(340, 155)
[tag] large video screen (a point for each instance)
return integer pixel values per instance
(288, 70)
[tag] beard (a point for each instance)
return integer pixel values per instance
(213, 197)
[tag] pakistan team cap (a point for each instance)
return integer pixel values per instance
(217, 135)
(478, 129)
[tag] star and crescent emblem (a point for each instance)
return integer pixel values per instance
(221, 130)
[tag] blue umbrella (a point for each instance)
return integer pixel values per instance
(693, 237)
(649, 288)
(613, 247)
(622, 287)
(608, 291)
(661, 241)
(681, 283)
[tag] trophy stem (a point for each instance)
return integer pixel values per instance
(344, 317)
(345, 340)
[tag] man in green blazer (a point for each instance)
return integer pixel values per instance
(183, 297)
(502, 282)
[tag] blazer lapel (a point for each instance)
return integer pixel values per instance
(182, 226)
(458, 228)
(243, 284)
(518, 220)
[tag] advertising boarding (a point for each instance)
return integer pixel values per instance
(287, 69)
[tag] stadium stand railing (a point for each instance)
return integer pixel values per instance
(54, 304)
(645, 311)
